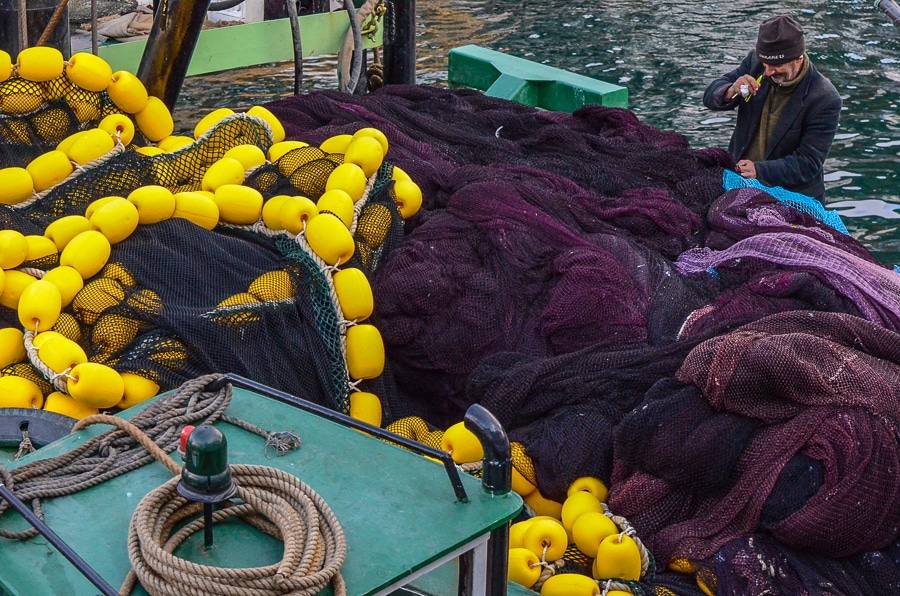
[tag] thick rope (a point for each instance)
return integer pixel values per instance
(346, 52)
(628, 529)
(115, 452)
(273, 501)
(54, 20)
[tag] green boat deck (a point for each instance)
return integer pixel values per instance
(397, 508)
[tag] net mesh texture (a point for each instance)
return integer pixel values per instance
(723, 355)
(725, 362)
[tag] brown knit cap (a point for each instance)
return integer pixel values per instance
(780, 40)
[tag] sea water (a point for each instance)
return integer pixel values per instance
(665, 53)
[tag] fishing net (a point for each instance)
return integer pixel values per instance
(721, 354)
(176, 299)
(724, 361)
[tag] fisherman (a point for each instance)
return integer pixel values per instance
(788, 112)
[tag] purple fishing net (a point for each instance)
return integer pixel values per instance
(727, 363)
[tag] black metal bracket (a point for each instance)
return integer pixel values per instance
(344, 420)
(58, 543)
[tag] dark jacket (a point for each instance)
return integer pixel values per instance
(795, 154)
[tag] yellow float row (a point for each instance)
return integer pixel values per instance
(584, 523)
(91, 73)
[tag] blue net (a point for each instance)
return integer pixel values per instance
(732, 180)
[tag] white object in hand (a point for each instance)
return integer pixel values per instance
(745, 91)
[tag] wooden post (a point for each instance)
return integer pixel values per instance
(176, 28)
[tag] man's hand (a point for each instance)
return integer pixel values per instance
(746, 168)
(735, 89)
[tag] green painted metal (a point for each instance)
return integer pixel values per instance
(530, 83)
(250, 44)
(397, 508)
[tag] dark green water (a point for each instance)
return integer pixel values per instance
(665, 53)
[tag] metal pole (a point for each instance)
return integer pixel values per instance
(496, 478)
(60, 545)
(23, 25)
(400, 42)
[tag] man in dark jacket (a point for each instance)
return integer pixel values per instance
(788, 112)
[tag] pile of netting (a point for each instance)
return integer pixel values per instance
(136, 257)
(725, 362)
(718, 360)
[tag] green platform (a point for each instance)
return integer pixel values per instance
(530, 83)
(397, 508)
(250, 44)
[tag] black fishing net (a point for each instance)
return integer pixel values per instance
(727, 365)
(724, 361)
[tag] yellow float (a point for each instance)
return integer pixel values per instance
(155, 120)
(408, 197)
(354, 294)
(16, 185)
(12, 346)
(67, 280)
(16, 392)
(87, 253)
(366, 152)
(49, 169)
(366, 407)
(197, 208)
(365, 352)
(348, 177)
(250, 156)
(40, 64)
(462, 444)
(577, 504)
(96, 385)
(239, 205)
(330, 239)
(570, 584)
(338, 203)
(546, 538)
(60, 353)
(128, 93)
(14, 283)
(66, 405)
(618, 557)
(590, 484)
(92, 145)
(294, 214)
(224, 171)
(374, 133)
(590, 529)
(117, 219)
(39, 306)
(524, 567)
(210, 120)
(39, 248)
(61, 231)
(118, 124)
(138, 389)
(270, 118)
(154, 203)
(89, 72)
(336, 144)
(13, 249)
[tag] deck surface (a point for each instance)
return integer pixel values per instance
(398, 509)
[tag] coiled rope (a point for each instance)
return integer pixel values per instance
(274, 502)
(114, 453)
(271, 500)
